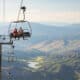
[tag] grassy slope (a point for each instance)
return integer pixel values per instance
(62, 69)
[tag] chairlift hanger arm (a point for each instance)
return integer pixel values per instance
(21, 8)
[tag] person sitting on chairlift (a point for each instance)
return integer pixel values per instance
(15, 33)
(20, 32)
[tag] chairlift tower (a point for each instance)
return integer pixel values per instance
(1, 44)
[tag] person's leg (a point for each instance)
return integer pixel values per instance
(23, 36)
(18, 37)
(15, 36)
(11, 35)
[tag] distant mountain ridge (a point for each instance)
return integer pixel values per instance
(42, 32)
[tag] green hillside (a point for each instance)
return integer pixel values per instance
(61, 69)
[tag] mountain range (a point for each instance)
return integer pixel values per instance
(58, 45)
(69, 31)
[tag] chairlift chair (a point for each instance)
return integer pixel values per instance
(25, 25)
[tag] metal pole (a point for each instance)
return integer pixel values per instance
(8, 43)
(0, 61)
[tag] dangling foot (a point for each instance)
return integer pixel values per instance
(18, 38)
(23, 37)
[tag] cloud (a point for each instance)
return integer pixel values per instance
(47, 16)
(38, 15)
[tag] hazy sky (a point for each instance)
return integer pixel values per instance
(45, 11)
